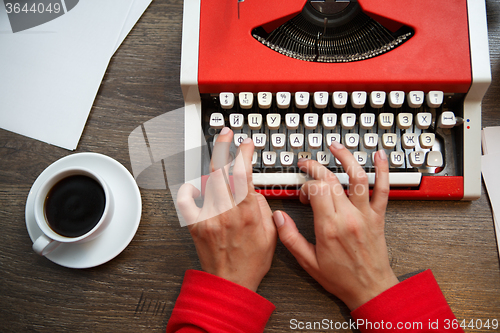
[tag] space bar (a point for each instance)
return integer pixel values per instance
(396, 179)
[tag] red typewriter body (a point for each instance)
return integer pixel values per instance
(436, 57)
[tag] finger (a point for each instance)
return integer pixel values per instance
(381, 189)
(299, 247)
(358, 180)
(220, 153)
(267, 215)
(218, 183)
(319, 194)
(242, 170)
(319, 172)
(218, 197)
(186, 203)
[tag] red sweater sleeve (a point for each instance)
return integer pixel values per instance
(208, 303)
(415, 304)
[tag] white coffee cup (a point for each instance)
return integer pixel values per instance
(70, 201)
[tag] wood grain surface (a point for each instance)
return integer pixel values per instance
(137, 290)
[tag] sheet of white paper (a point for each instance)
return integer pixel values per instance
(50, 74)
(136, 11)
(484, 145)
(491, 177)
(490, 137)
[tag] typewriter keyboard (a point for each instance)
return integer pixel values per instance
(417, 130)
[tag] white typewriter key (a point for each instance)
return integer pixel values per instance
(447, 120)
(370, 140)
(239, 138)
(226, 100)
(255, 121)
(302, 99)
(246, 100)
(348, 120)
(236, 120)
(434, 99)
(427, 140)
(434, 159)
(304, 154)
(320, 99)
(415, 99)
(323, 157)
(377, 99)
(297, 140)
(254, 158)
(417, 158)
(329, 120)
(283, 99)
(389, 140)
(315, 140)
(424, 120)
(216, 120)
(396, 99)
(409, 140)
(386, 120)
(404, 120)
(264, 99)
(330, 137)
(339, 99)
(397, 158)
(358, 99)
(269, 158)
(310, 120)
(361, 157)
(273, 121)
(292, 120)
(286, 158)
(259, 140)
(351, 140)
(367, 120)
(278, 140)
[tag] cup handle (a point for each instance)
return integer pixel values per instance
(44, 245)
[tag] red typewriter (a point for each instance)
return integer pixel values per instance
(294, 75)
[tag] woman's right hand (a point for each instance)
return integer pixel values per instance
(350, 258)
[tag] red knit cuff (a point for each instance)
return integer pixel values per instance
(214, 304)
(413, 305)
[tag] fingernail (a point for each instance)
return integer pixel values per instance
(382, 154)
(303, 159)
(337, 145)
(278, 218)
(224, 131)
(246, 141)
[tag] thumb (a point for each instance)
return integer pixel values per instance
(299, 247)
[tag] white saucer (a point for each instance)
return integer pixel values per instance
(123, 226)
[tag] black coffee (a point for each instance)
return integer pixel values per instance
(74, 205)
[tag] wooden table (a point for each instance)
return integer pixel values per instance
(137, 290)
